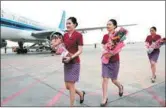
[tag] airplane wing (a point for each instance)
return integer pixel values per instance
(42, 34)
(46, 34)
(101, 28)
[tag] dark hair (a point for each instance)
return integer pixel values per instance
(154, 28)
(114, 22)
(56, 35)
(73, 20)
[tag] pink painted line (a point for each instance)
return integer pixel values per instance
(11, 97)
(162, 102)
(157, 98)
(12, 80)
(56, 97)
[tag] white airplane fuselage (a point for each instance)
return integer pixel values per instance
(18, 28)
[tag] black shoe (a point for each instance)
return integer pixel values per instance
(81, 101)
(121, 94)
(104, 104)
(153, 80)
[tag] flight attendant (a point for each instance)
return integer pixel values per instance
(110, 70)
(73, 41)
(153, 57)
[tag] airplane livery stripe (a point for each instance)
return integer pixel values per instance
(14, 27)
(18, 25)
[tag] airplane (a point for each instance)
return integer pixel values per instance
(20, 29)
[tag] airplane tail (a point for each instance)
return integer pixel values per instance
(62, 22)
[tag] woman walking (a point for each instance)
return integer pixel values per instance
(153, 56)
(73, 41)
(111, 69)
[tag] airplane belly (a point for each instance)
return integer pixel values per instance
(26, 35)
(16, 34)
(9, 33)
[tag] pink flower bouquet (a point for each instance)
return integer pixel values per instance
(156, 45)
(114, 44)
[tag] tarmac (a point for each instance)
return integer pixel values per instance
(37, 79)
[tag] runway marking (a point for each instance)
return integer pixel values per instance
(11, 97)
(153, 94)
(162, 102)
(20, 71)
(56, 97)
(37, 80)
(133, 93)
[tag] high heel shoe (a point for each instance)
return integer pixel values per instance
(82, 100)
(121, 93)
(153, 80)
(104, 104)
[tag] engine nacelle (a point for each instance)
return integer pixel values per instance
(3, 43)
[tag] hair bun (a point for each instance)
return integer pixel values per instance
(74, 20)
(114, 22)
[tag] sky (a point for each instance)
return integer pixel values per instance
(94, 14)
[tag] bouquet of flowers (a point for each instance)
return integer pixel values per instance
(114, 44)
(156, 45)
(59, 46)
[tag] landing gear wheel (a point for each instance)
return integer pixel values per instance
(25, 51)
(22, 51)
(18, 51)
